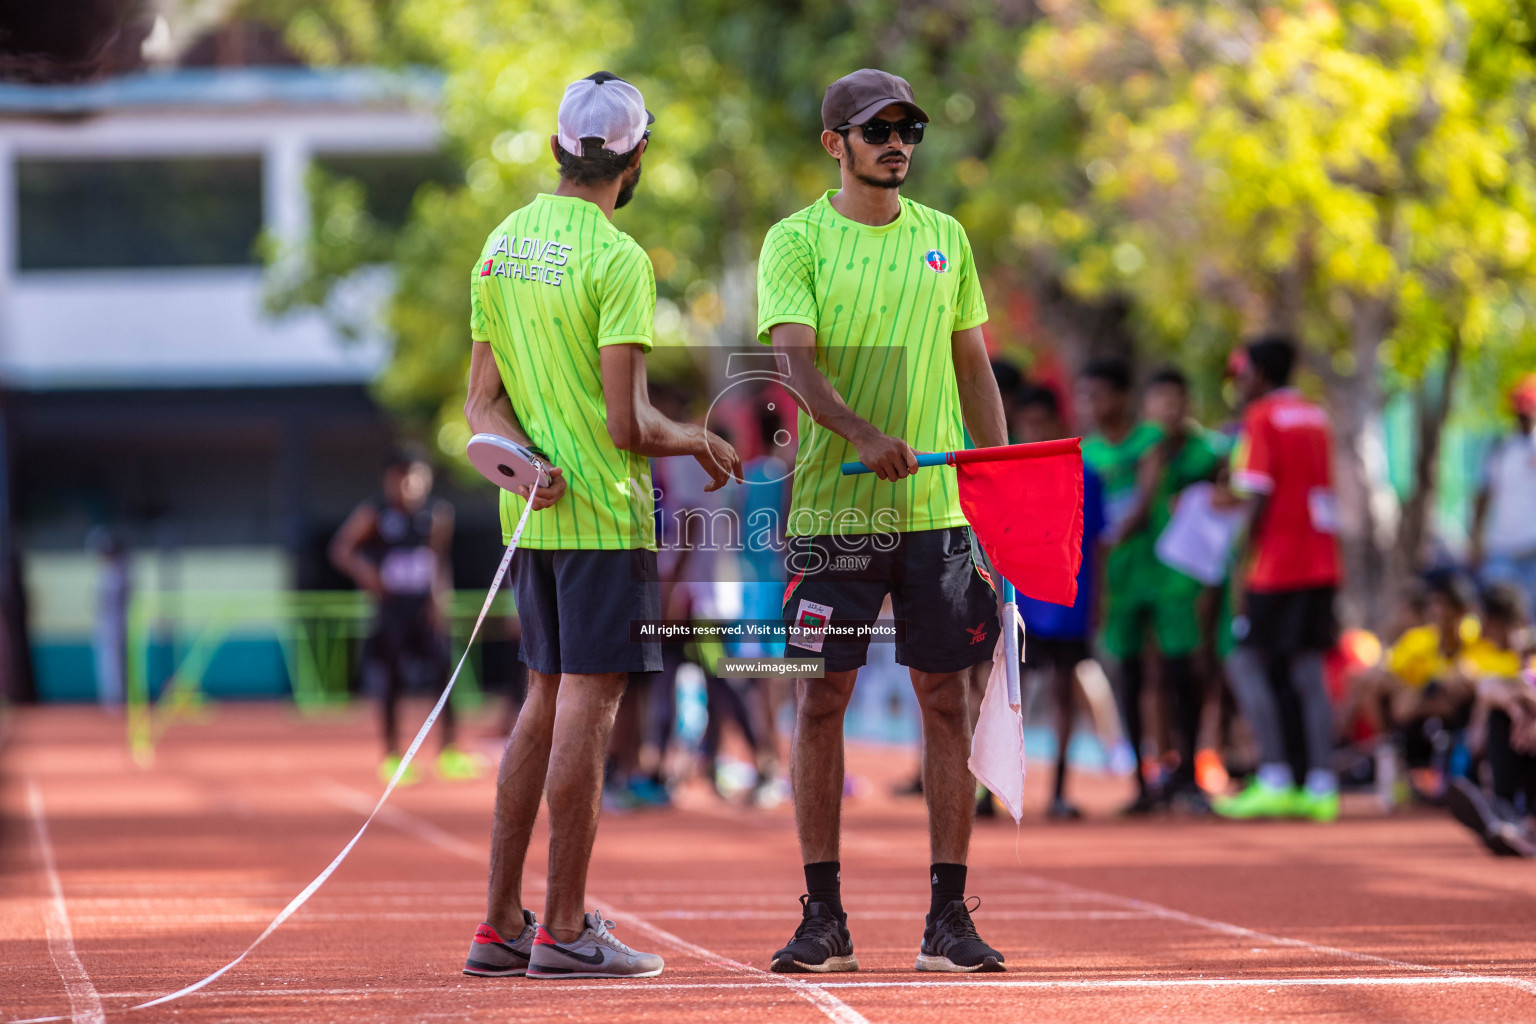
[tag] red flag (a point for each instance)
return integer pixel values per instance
(1025, 504)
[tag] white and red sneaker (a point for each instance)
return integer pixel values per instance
(491, 956)
(594, 954)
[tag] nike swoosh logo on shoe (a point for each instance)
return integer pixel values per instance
(594, 958)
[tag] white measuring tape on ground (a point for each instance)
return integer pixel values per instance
(330, 869)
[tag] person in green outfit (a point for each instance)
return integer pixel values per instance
(1186, 453)
(1114, 451)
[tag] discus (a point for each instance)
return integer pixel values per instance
(506, 463)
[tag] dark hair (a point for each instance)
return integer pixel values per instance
(596, 165)
(404, 457)
(1415, 595)
(1169, 375)
(1008, 377)
(1503, 603)
(1114, 372)
(1273, 357)
(1037, 395)
(1450, 587)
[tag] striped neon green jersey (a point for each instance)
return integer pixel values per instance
(884, 302)
(555, 282)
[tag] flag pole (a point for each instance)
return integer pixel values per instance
(1011, 623)
(997, 453)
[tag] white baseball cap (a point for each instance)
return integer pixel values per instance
(602, 106)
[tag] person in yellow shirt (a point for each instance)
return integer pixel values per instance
(1426, 683)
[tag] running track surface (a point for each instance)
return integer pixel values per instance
(119, 884)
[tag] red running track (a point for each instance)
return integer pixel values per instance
(119, 884)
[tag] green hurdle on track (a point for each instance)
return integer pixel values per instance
(315, 630)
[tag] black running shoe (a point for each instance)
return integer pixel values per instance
(821, 944)
(950, 943)
(1146, 803)
(1470, 807)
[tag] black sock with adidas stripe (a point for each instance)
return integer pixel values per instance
(948, 881)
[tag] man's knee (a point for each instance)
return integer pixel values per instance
(826, 697)
(940, 693)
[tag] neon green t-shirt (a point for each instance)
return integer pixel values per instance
(884, 302)
(555, 282)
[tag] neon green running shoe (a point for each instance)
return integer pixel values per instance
(1257, 801)
(391, 764)
(1306, 804)
(455, 765)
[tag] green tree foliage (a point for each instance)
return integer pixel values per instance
(1359, 172)
(736, 88)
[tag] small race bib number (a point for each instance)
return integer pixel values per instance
(810, 629)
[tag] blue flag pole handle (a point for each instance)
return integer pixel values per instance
(923, 459)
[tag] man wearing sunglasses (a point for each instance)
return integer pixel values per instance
(875, 302)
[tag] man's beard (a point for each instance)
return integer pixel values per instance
(627, 191)
(893, 176)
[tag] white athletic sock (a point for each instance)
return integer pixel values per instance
(1276, 776)
(1322, 782)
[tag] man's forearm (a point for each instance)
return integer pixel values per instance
(982, 408)
(825, 406)
(495, 416)
(655, 435)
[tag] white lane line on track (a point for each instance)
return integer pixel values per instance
(833, 1008)
(499, 987)
(1238, 931)
(84, 1000)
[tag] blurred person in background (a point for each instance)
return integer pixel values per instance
(1505, 735)
(1057, 637)
(396, 547)
(1114, 451)
(764, 509)
(1283, 469)
(1426, 683)
(1503, 534)
(1168, 609)
(109, 639)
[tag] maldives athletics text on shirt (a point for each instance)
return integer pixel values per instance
(884, 302)
(1285, 452)
(554, 284)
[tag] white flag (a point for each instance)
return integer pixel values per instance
(997, 746)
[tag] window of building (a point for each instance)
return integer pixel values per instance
(180, 212)
(390, 180)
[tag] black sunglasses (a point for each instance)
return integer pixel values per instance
(909, 131)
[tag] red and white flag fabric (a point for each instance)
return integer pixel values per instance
(1025, 504)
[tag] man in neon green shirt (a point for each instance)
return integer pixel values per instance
(875, 303)
(561, 305)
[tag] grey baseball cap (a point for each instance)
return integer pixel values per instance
(602, 106)
(855, 98)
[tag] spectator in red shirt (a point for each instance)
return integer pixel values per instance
(1283, 468)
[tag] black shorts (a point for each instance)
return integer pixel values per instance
(404, 648)
(576, 606)
(1284, 621)
(945, 607)
(1049, 654)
